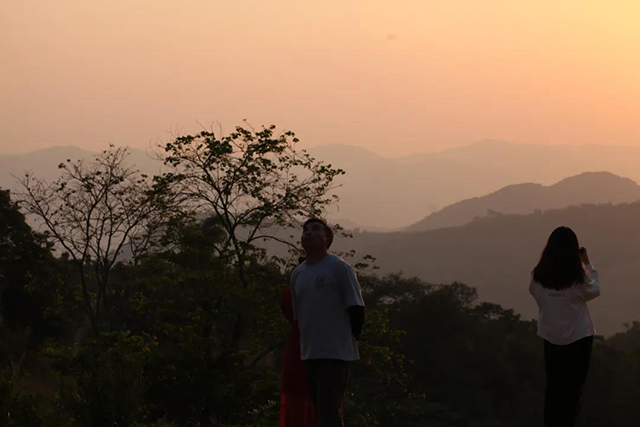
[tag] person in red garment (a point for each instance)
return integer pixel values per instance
(296, 402)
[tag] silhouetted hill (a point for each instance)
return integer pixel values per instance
(386, 193)
(393, 193)
(589, 187)
(496, 254)
(44, 163)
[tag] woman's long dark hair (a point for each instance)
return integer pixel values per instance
(560, 266)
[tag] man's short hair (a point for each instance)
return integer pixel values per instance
(327, 230)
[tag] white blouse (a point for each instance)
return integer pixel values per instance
(563, 315)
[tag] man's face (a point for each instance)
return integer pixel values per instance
(314, 237)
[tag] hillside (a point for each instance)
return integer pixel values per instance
(496, 254)
(589, 187)
(397, 192)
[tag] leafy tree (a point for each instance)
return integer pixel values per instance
(34, 295)
(36, 304)
(254, 181)
(188, 298)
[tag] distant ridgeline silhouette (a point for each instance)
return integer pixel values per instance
(44, 163)
(589, 187)
(395, 192)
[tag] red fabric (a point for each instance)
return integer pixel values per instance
(296, 403)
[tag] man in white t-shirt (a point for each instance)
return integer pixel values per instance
(328, 305)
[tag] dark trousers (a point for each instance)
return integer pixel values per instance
(327, 380)
(566, 367)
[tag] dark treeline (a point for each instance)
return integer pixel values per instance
(188, 332)
(432, 354)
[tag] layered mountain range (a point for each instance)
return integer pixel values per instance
(588, 187)
(381, 193)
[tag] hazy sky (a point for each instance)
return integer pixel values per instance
(395, 77)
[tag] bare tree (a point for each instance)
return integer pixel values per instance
(95, 211)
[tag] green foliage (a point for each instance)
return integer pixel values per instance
(472, 363)
(253, 181)
(31, 296)
(377, 383)
(110, 378)
(194, 333)
(189, 300)
(93, 212)
(16, 410)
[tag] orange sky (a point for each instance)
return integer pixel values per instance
(395, 77)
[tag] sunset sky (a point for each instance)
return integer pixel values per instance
(395, 77)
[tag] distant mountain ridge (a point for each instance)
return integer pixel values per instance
(44, 163)
(397, 192)
(588, 187)
(392, 193)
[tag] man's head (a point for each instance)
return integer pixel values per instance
(316, 235)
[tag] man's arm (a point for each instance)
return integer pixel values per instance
(352, 298)
(356, 314)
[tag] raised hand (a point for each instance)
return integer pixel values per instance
(584, 257)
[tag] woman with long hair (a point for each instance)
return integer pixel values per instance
(562, 283)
